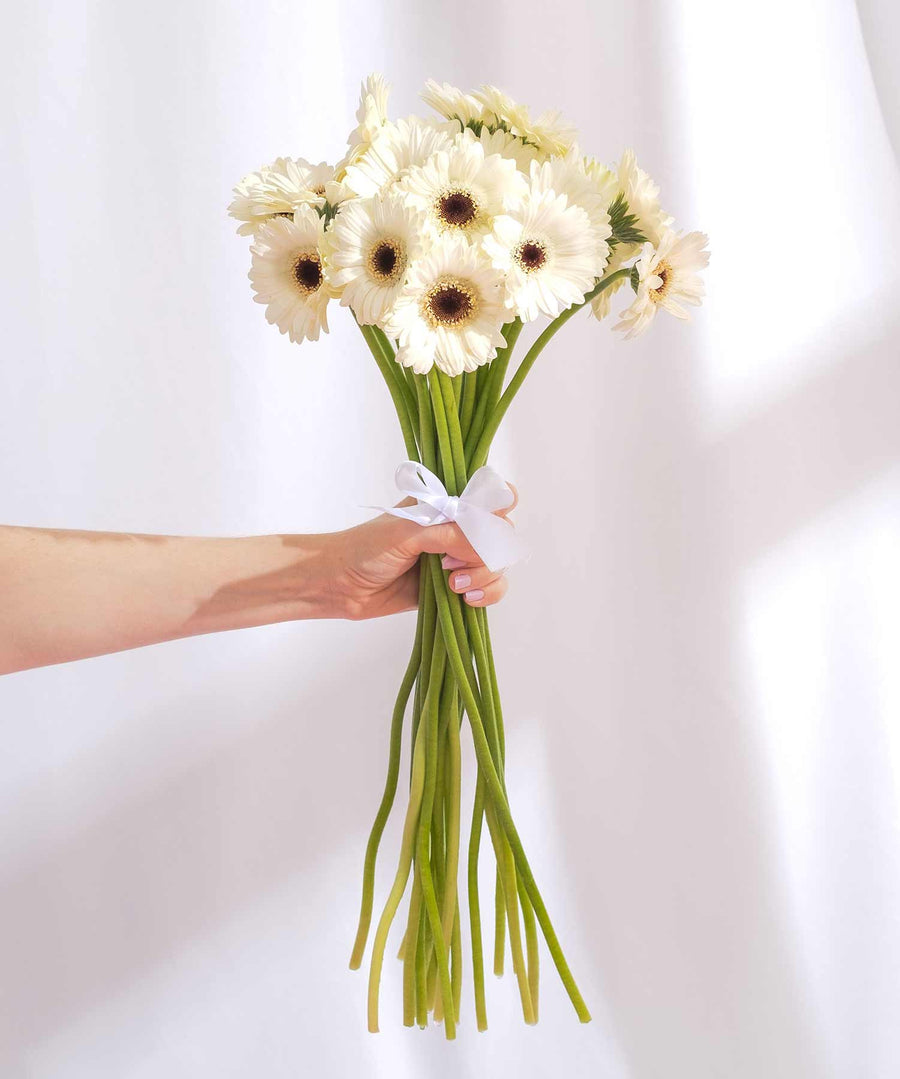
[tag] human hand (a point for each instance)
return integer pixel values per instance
(373, 568)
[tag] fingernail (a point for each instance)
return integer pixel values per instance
(449, 562)
(461, 581)
(475, 595)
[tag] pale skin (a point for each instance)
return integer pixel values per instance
(67, 595)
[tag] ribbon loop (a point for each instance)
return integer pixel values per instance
(474, 511)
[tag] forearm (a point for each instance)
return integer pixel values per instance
(68, 595)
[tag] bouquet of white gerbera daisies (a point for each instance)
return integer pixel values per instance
(444, 236)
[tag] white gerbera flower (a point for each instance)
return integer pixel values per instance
(501, 111)
(279, 188)
(371, 243)
(287, 273)
(371, 117)
(568, 176)
(602, 177)
(550, 133)
(396, 148)
(451, 310)
(462, 191)
(667, 278)
(451, 102)
(502, 143)
(550, 252)
(642, 196)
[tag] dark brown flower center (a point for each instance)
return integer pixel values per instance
(308, 272)
(450, 303)
(457, 209)
(386, 260)
(531, 255)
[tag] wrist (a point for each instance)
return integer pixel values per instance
(260, 580)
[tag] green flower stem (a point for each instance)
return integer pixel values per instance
(474, 905)
(495, 790)
(409, 953)
(507, 866)
(499, 925)
(527, 909)
(431, 984)
(431, 721)
(454, 782)
(467, 401)
(488, 391)
(410, 827)
(531, 944)
(422, 969)
(486, 435)
(385, 365)
(456, 970)
(495, 691)
(387, 800)
(454, 431)
(443, 437)
(484, 681)
(397, 372)
(466, 622)
(428, 620)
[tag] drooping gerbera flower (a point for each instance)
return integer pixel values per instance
(550, 133)
(502, 143)
(462, 190)
(641, 195)
(451, 311)
(501, 111)
(452, 103)
(667, 277)
(370, 245)
(279, 188)
(288, 274)
(371, 116)
(549, 251)
(568, 176)
(398, 146)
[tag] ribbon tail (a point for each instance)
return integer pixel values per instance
(493, 537)
(488, 490)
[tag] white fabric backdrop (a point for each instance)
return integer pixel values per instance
(701, 679)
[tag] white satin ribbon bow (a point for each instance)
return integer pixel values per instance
(493, 537)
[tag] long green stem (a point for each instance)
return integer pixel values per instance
(410, 953)
(474, 905)
(397, 396)
(387, 801)
(507, 866)
(431, 723)
(495, 789)
(387, 350)
(410, 826)
(490, 383)
(492, 422)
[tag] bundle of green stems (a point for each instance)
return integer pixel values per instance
(448, 424)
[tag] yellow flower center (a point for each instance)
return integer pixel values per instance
(664, 272)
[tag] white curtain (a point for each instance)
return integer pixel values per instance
(699, 666)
